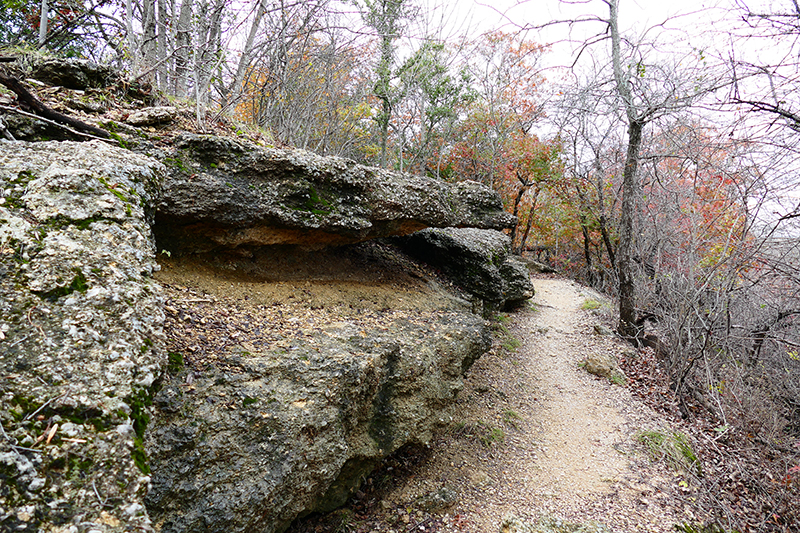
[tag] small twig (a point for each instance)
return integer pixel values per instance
(101, 500)
(417, 525)
(54, 123)
(45, 404)
(196, 300)
(19, 341)
(26, 449)
(5, 435)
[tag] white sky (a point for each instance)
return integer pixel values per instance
(633, 13)
(681, 17)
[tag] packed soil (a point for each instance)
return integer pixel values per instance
(215, 304)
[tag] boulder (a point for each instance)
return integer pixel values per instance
(223, 194)
(517, 286)
(603, 365)
(264, 437)
(80, 323)
(602, 330)
(151, 116)
(438, 500)
(72, 73)
(477, 260)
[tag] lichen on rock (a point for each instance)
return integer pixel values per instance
(80, 318)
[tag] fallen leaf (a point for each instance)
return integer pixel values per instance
(52, 434)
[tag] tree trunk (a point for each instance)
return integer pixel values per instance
(607, 241)
(529, 223)
(625, 266)
(149, 39)
(587, 244)
(517, 201)
(149, 49)
(132, 44)
(236, 87)
(183, 42)
(382, 92)
(627, 326)
(29, 102)
(384, 17)
(43, 16)
(602, 220)
(161, 45)
(207, 50)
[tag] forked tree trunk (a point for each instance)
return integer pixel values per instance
(625, 266)
(529, 224)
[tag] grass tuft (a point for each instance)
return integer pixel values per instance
(590, 305)
(671, 446)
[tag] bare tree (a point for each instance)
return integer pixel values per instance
(586, 117)
(648, 85)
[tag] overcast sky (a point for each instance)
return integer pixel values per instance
(686, 19)
(633, 13)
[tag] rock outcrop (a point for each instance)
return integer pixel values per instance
(150, 116)
(254, 438)
(223, 194)
(72, 73)
(80, 326)
(264, 437)
(478, 261)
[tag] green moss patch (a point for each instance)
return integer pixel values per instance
(78, 284)
(139, 401)
(175, 362)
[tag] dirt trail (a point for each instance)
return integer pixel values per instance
(540, 436)
(581, 425)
